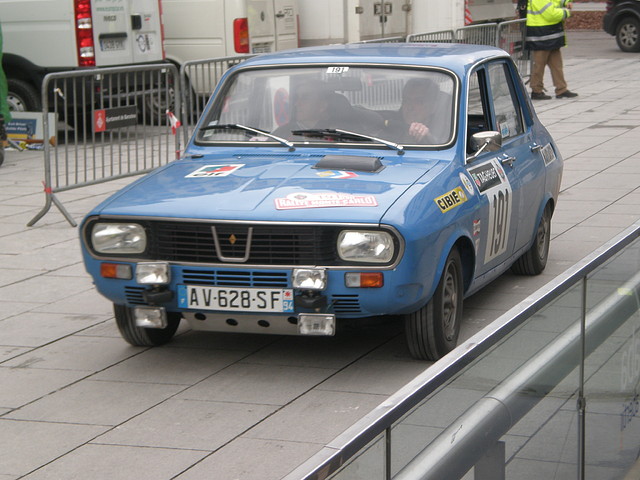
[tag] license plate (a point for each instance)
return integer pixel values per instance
(231, 299)
(111, 44)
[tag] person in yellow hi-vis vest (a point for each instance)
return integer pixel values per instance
(545, 37)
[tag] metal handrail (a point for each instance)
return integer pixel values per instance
(455, 450)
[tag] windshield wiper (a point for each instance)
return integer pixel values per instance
(346, 135)
(237, 126)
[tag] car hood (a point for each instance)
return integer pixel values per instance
(283, 187)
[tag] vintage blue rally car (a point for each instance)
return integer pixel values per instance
(332, 183)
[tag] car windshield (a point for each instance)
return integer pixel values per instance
(397, 105)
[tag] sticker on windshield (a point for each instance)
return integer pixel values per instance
(214, 171)
(295, 201)
(337, 70)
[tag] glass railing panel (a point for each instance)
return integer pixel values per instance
(485, 376)
(612, 371)
(369, 463)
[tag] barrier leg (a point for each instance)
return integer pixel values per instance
(51, 198)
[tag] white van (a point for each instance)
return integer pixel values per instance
(44, 36)
(203, 29)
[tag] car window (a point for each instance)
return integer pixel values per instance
(373, 101)
(508, 117)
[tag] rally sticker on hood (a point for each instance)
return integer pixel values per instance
(214, 171)
(321, 200)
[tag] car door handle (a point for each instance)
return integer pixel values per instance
(507, 160)
(536, 148)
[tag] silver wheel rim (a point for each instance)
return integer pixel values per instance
(542, 237)
(450, 301)
(628, 35)
(15, 103)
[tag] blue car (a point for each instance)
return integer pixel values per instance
(328, 184)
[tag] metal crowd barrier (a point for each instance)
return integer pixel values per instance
(482, 34)
(198, 78)
(110, 123)
(384, 40)
(443, 36)
(510, 36)
(574, 342)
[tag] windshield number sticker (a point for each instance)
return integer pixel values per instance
(337, 70)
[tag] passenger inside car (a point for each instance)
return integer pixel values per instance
(316, 105)
(419, 119)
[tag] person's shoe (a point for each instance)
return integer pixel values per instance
(539, 96)
(567, 94)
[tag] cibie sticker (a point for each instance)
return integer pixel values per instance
(214, 171)
(302, 200)
(451, 199)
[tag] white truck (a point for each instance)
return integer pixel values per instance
(43, 36)
(338, 21)
(199, 29)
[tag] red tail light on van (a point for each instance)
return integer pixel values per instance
(241, 35)
(84, 34)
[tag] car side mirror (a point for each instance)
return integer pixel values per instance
(490, 141)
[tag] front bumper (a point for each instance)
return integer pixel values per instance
(401, 292)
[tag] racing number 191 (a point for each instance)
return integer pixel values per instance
(499, 213)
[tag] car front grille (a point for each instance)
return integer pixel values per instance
(270, 245)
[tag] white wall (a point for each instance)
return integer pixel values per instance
(321, 21)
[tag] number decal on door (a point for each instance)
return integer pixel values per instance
(500, 203)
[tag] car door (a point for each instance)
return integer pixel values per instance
(493, 106)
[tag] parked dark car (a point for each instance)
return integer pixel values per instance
(623, 21)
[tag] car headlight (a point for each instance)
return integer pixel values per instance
(118, 238)
(365, 246)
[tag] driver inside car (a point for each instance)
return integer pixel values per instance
(411, 123)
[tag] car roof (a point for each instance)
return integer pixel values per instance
(456, 57)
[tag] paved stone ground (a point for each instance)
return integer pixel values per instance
(77, 402)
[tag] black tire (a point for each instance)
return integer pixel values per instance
(628, 35)
(144, 337)
(1, 153)
(22, 96)
(433, 331)
(534, 260)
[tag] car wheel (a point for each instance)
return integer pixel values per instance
(432, 331)
(628, 35)
(156, 103)
(144, 337)
(534, 260)
(22, 97)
